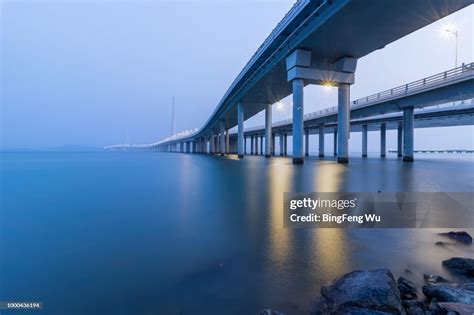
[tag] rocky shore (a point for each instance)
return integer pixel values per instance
(377, 292)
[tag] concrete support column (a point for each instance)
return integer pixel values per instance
(408, 134)
(298, 110)
(240, 130)
(364, 140)
(383, 133)
(251, 145)
(306, 142)
(335, 142)
(227, 144)
(343, 123)
(285, 145)
(256, 144)
(245, 146)
(261, 145)
(211, 142)
(399, 139)
(222, 138)
(273, 144)
(321, 140)
(282, 151)
(268, 130)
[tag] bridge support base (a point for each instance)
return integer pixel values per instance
(298, 160)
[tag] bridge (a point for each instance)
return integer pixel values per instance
(313, 44)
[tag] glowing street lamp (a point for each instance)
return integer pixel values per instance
(453, 31)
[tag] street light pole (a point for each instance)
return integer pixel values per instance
(456, 35)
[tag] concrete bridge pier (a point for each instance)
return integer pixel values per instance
(335, 142)
(281, 144)
(285, 145)
(240, 130)
(321, 140)
(298, 111)
(383, 138)
(251, 145)
(273, 144)
(408, 133)
(399, 140)
(245, 146)
(222, 138)
(306, 142)
(364, 140)
(343, 123)
(268, 130)
(211, 142)
(261, 145)
(227, 142)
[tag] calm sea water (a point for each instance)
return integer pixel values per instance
(158, 233)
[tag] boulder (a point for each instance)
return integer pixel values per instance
(461, 266)
(407, 289)
(362, 292)
(461, 236)
(446, 292)
(416, 310)
(434, 279)
(456, 308)
(468, 285)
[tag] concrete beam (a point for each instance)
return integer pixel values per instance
(319, 76)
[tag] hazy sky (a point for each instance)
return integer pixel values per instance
(102, 72)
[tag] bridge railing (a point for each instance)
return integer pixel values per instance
(413, 86)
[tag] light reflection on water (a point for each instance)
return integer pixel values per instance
(155, 233)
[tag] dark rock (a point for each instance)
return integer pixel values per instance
(459, 265)
(439, 243)
(407, 289)
(362, 292)
(412, 303)
(468, 285)
(445, 292)
(461, 236)
(416, 310)
(434, 279)
(457, 308)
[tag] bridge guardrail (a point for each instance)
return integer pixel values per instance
(410, 87)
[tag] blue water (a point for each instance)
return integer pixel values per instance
(164, 233)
